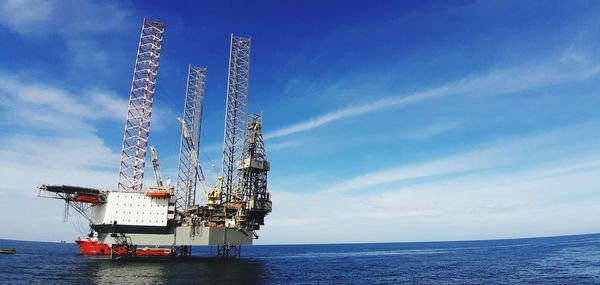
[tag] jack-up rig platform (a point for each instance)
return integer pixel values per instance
(166, 216)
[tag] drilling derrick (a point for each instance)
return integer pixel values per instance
(235, 115)
(139, 112)
(253, 168)
(189, 168)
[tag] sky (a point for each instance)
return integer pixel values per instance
(384, 121)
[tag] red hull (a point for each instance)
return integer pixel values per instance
(90, 247)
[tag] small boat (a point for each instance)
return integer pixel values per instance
(92, 247)
(8, 250)
(153, 251)
(158, 193)
(87, 199)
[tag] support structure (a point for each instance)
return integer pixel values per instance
(139, 112)
(235, 114)
(82, 199)
(183, 251)
(229, 251)
(189, 167)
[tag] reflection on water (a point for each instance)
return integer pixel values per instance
(185, 271)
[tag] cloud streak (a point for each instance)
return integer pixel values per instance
(493, 157)
(567, 68)
(65, 18)
(44, 106)
(517, 187)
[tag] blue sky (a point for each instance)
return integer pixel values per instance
(384, 121)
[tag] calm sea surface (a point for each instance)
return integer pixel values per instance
(555, 260)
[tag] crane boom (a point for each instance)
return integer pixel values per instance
(188, 138)
(156, 167)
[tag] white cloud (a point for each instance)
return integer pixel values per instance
(427, 214)
(281, 145)
(24, 15)
(567, 69)
(430, 131)
(520, 152)
(65, 18)
(50, 138)
(43, 106)
(78, 24)
(498, 195)
(28, 161)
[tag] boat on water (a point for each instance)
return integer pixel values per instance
(8, 250)
(153, 251)
(91, 246)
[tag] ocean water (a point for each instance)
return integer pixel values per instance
(553, 260)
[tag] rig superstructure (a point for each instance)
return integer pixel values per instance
(165, 215)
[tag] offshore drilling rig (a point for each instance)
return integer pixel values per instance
(167, 216)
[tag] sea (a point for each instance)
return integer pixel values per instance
(549, 260)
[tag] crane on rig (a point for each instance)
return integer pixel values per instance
(156, 167)
(123, 218)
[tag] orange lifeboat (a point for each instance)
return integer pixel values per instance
(154, 251)
(87, 199)
(158, 193)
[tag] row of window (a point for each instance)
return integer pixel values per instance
(140, 221)
(143, 213)
(137, 205)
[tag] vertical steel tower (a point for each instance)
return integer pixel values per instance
(190, 138)
(235, 114)
(137, 124)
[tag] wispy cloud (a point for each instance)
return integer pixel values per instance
(282, 145)
(496, 156)
(430, 131)
(499, 190)
(65, 18)
(567, 68)
(43, 106)
(486, 207)
(80, 26)
(22, 16)
(49, 136)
